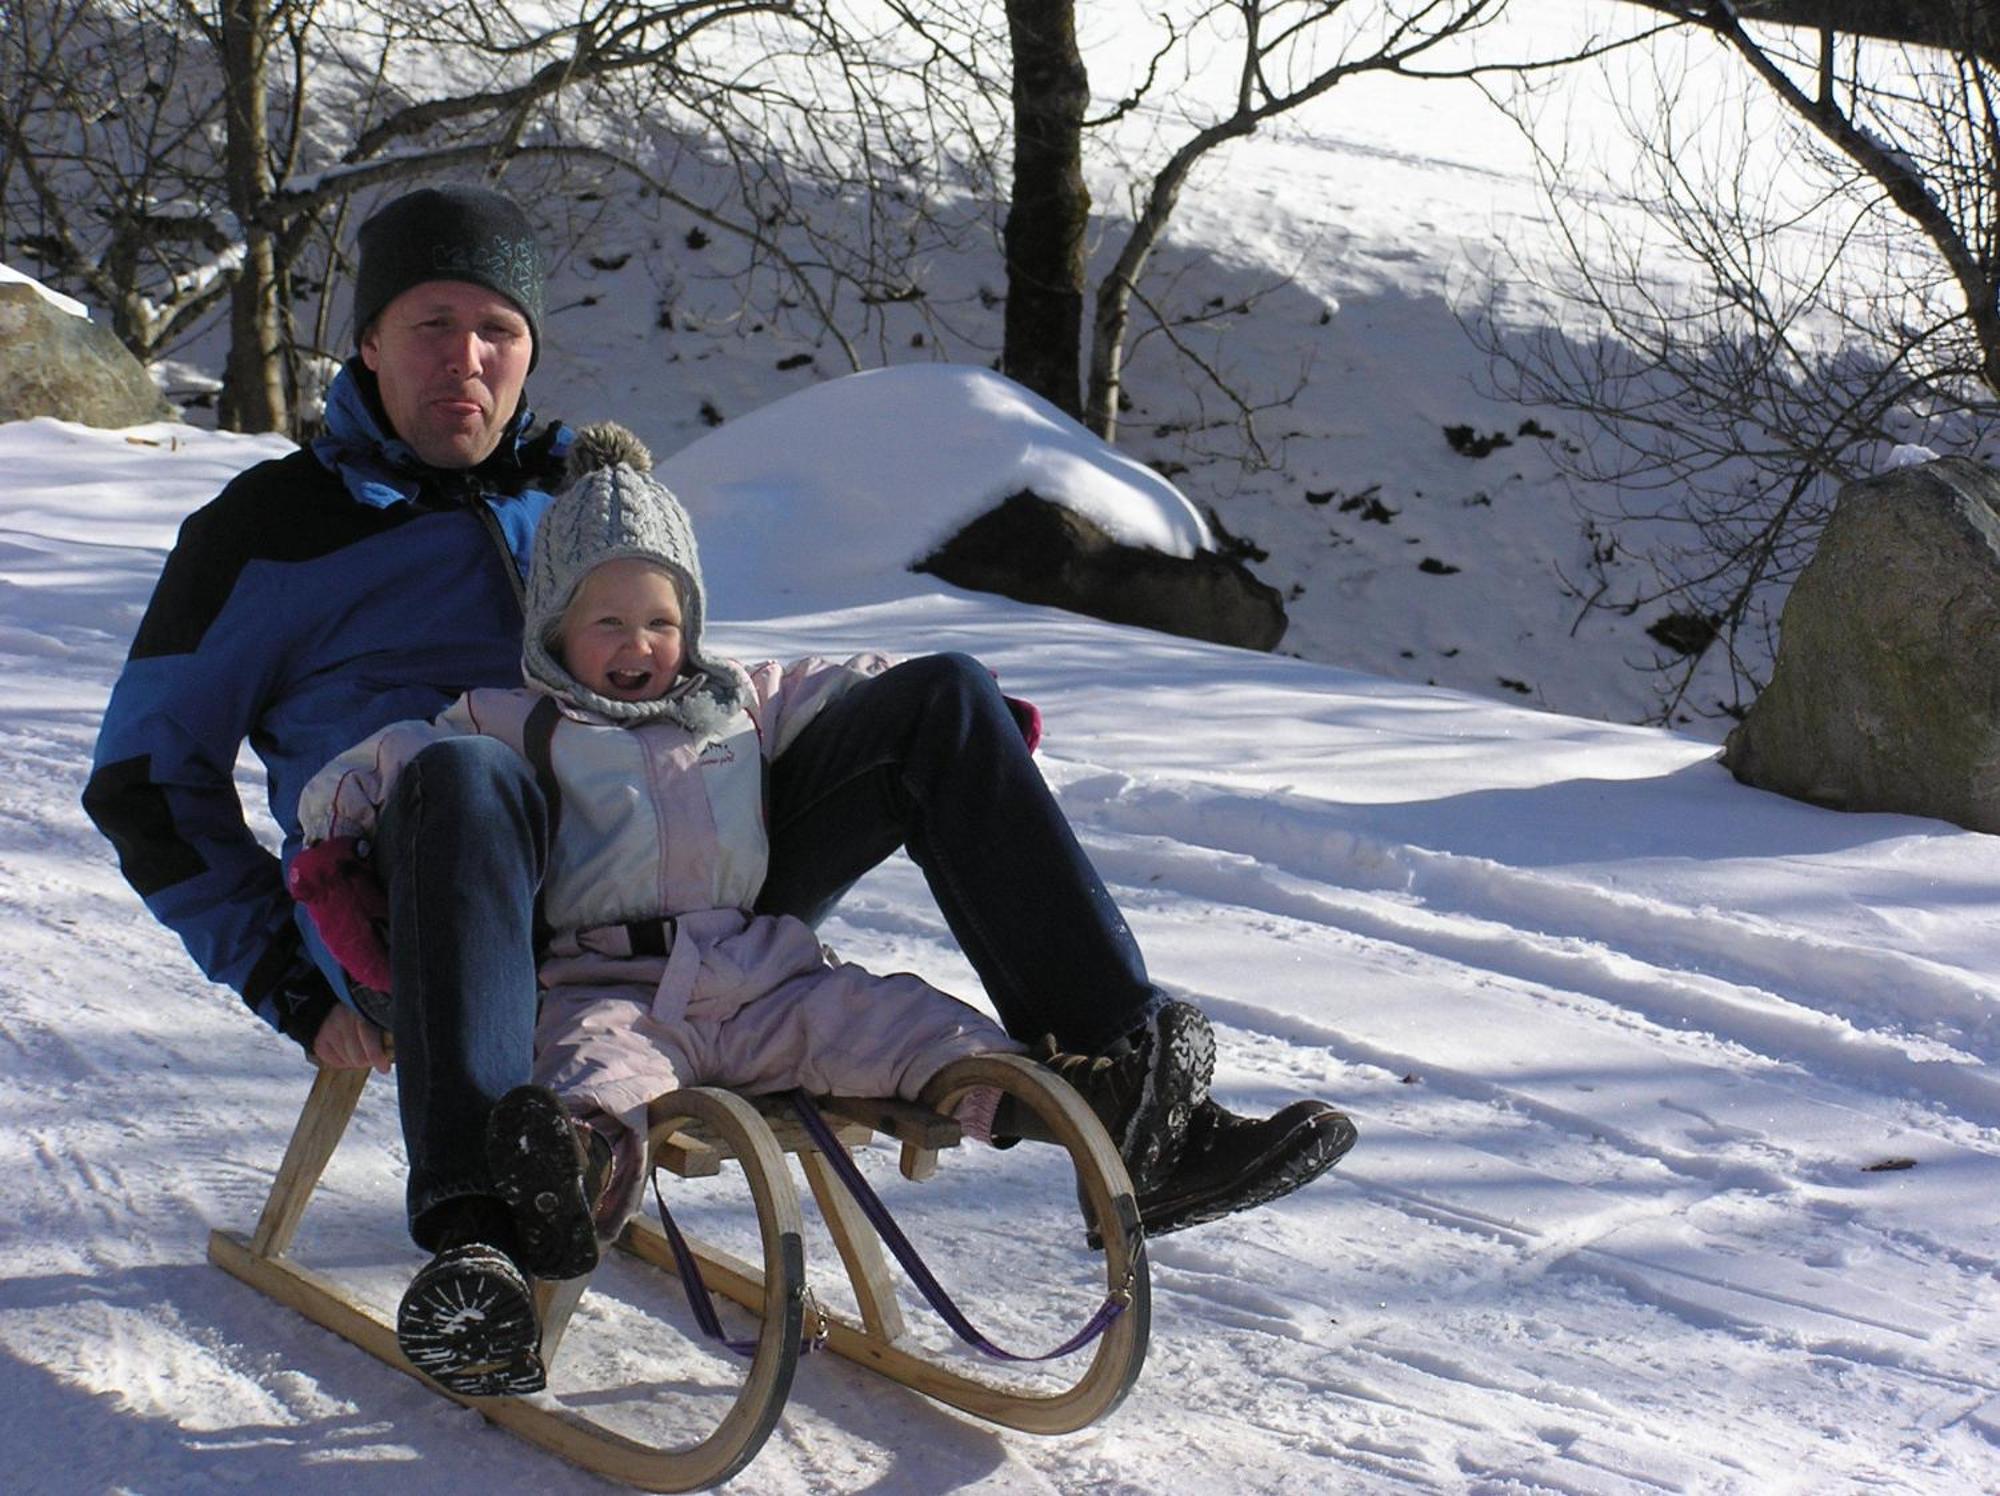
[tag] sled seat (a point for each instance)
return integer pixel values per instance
(698, 1132)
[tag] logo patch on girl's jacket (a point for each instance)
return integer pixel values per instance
(715, 755)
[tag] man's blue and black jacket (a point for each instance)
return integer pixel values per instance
(317, 598)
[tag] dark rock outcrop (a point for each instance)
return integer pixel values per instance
(1038, 552)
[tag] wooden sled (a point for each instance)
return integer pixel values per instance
(695, 1132)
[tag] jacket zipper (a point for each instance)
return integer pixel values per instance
(492, 522)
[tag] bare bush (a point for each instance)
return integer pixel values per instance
(1739, 342)
(167, 155)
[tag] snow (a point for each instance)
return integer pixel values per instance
(1680, 1124)
(54, 298)
(1636, 1054)
(858, 458)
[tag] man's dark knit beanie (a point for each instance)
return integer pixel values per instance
(450, 233)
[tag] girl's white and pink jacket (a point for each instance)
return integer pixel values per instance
(656, 973)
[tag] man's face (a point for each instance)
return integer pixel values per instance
(450, 357)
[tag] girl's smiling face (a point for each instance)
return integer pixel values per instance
(621, 634)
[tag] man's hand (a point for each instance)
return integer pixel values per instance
(347, 1041)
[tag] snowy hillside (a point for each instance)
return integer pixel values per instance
(1680, 1128)
(1680, 1120)
(1417, 527)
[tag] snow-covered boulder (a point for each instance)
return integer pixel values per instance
(54, 361)
(1886, 691)
(1035, 551)
(835, 491)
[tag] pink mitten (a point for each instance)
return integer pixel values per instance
(347, 905)
(1027, 717)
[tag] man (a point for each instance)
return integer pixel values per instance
(377, 576)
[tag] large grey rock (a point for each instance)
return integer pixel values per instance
(1886, 691)
(1038, 552)
(53, 363)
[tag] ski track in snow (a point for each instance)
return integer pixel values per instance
(1699, 965)
(1609, 1227)
(1620, 966)
(1498, 1201)
(1605, 975)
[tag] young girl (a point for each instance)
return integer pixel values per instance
(650, 755)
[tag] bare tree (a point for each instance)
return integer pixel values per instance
(1747, 340)
(1949, 25)
(852, 140)
(1049, 205)
(253, 387)
(158, 161)
(858, 151)
(914, 106)
(110, 177)
(1287, 53)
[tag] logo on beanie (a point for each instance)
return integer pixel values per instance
(512, 265)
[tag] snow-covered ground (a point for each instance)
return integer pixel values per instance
(1680, 1153)
(1680, 1129)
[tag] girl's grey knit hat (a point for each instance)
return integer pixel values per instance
(612, 509)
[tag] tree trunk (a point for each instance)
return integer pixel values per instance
(253, 385)
(1050, 206)
(1115, 291)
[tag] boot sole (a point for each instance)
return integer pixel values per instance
(537, 1168)
(1294, 1160)
(468, 1323)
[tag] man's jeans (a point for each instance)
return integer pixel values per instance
(925, 755)
(462, 845)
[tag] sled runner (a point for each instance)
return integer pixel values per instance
(697, 1132)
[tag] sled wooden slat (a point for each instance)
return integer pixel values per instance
(860, 1251)
(893, 1117)
(693, 1151)
(697, 1131)
(554, 1304)
(322, 1124)
(688, 1156)
(877, 1342)
(922, 1132)
(263, 1263)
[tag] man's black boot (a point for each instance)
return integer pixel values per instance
(1145, 1089)
(1230, 1163)
(467, 1320)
